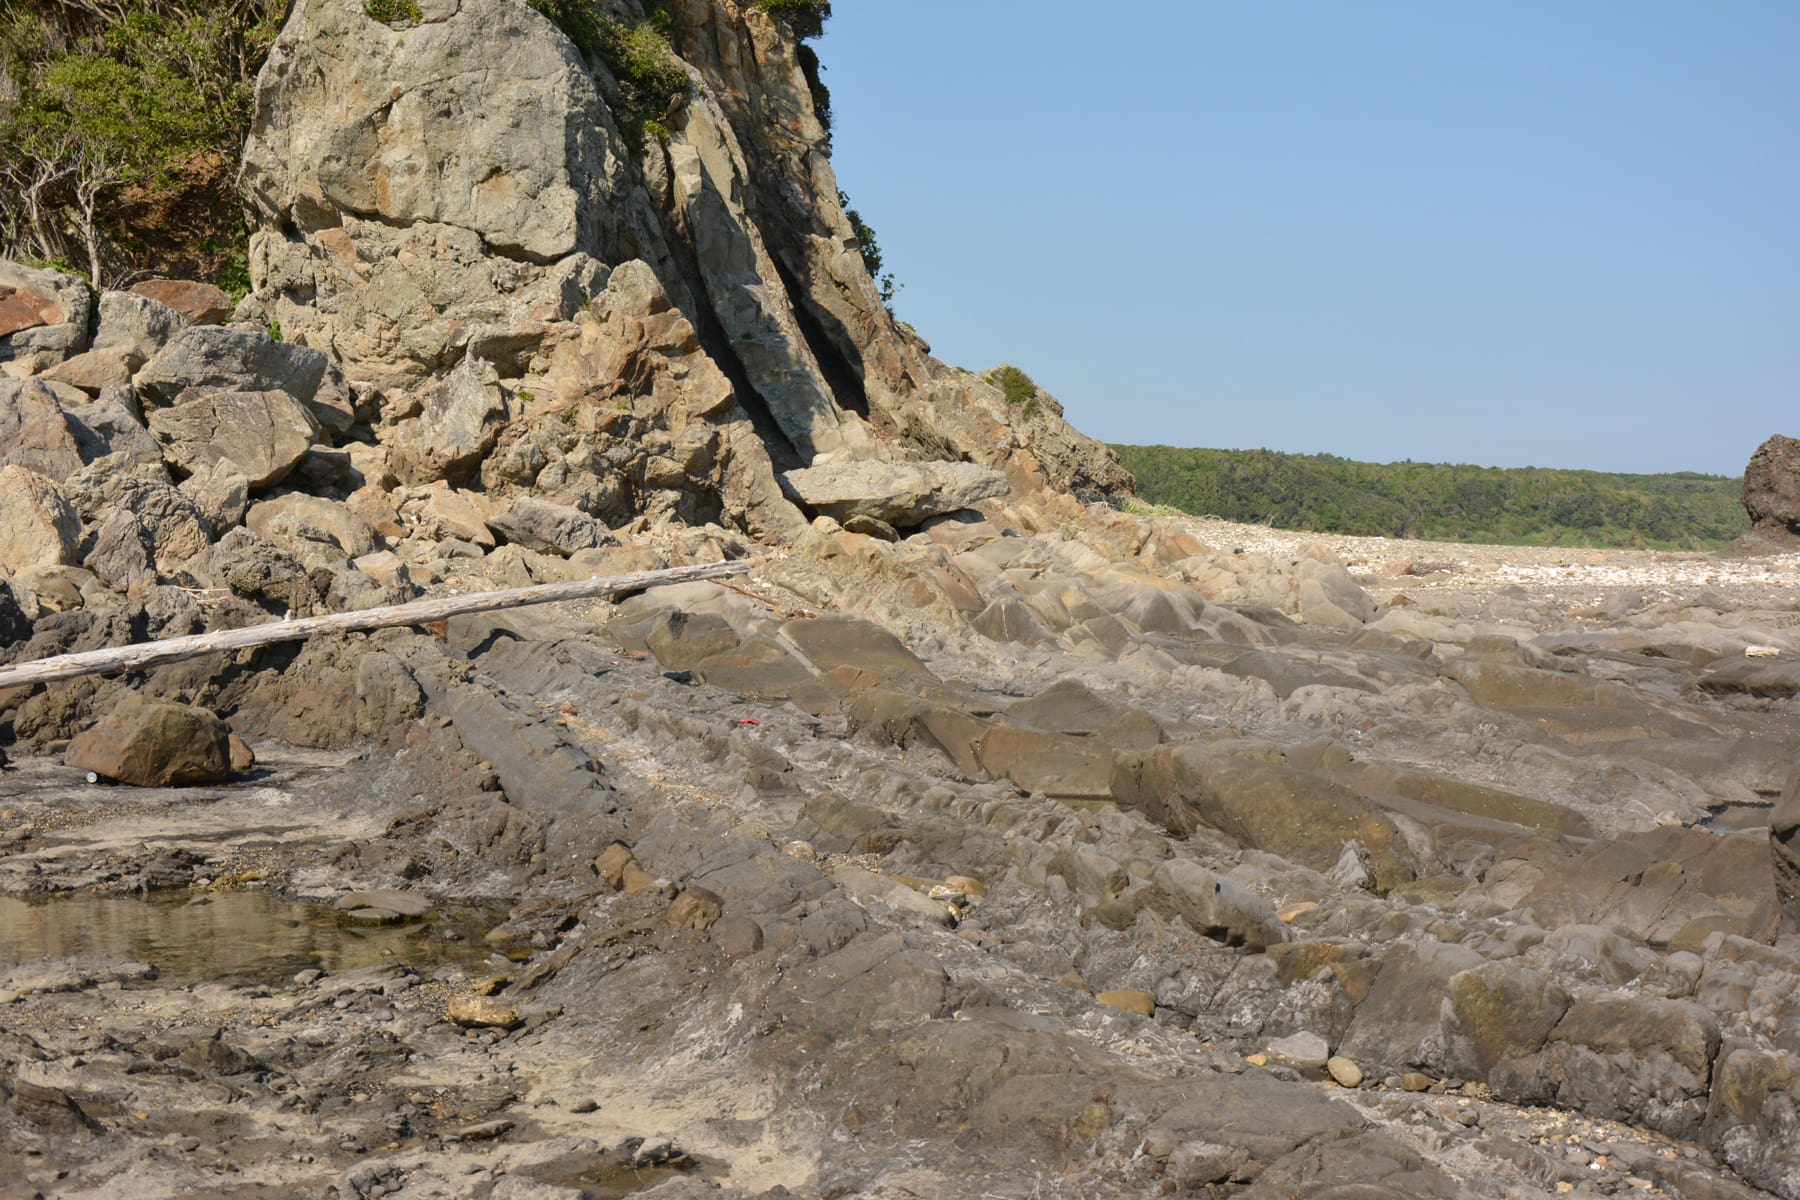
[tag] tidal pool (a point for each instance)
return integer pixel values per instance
(236, 937)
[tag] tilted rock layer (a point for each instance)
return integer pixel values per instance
(980, 840)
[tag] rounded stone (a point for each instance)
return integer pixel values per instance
(1345, 1072)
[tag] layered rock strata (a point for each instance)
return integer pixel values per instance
(985, 841)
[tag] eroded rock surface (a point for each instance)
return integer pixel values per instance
(980, 840)
(1772, 485)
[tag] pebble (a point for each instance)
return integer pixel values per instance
(1289, 913)
(1347, 1073)
(308, 976)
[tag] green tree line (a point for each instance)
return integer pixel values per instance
(1443, 502)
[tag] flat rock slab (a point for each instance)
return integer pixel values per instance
(201, 303)
(401, 904)
(902, 495)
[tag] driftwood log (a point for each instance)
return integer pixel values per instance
(417, 612)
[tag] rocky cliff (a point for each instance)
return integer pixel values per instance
(667, 321)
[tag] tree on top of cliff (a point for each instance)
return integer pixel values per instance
(120, 123)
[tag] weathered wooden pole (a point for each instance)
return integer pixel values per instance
(417, 612)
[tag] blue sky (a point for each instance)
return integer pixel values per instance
(1541, 232)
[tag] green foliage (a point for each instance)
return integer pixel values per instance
(233, 277)
(141, 120)
(1018, 389)
(870, 248)
(274, 331)
(808, 16)
(119, 125)
(392, 12)
(637, 56)
(1516, 506)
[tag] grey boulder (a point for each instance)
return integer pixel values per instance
(217, 356)
(901, 494)
(262, 434)
(35, 431)
(459, 423)
(550, 528)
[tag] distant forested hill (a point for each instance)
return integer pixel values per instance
(1515, 505)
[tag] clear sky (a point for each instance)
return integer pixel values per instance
(1508, 232)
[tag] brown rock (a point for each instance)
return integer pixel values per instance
(242, 757)
(26, 308)
(48, 1108)
(264, 435)
(737, 937)
(1772, 484)
(1056, 764)
(401, 904)
(1131, 1001)
(44, 316)
(200, 303)
(94, 371)
(612, 863)
(1784, 845)
(35, 431)
(483, 1012)
(1496, 1015)
(634, 879)
(696, 909)
(38, 528)
(153, 743)
(313, 518)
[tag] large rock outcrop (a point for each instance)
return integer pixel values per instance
(1772, 485)
(420, 209)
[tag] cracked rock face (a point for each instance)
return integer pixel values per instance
(359, 129)
(458, 188)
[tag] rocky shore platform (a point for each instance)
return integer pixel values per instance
(981, 840)
(989, 861)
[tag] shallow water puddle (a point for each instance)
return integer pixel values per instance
(235, 937)
(614, 1181)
